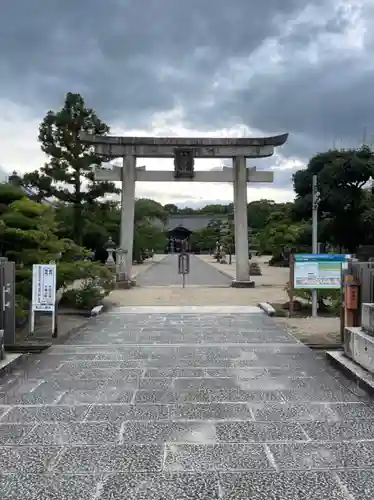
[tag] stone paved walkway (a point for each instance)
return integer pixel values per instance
(165, 273)
(184, 403)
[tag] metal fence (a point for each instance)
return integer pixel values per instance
(364, 276)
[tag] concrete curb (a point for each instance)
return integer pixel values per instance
(267, 308)
(324, 347)
(225, 273)
(13, 363)
(95, 311)
(352, 370)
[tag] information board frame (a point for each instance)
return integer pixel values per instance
(44, 277)
(318, 271)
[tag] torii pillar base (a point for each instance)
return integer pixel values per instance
(242, 284)
(122, 283)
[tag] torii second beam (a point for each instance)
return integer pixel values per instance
(114, 174)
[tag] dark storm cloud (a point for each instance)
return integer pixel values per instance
(129, 58)
(283, 177)
(133, 58)
(282, 171)
(324, 105)
(319, 90)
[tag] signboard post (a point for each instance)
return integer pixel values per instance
(183, 266)
(43, 292)
(2, 349)
(318, 271)
(315, 239)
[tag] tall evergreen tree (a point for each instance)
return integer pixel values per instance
(68, 176)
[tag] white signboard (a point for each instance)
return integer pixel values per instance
(44, 287)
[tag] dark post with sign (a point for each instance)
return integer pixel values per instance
(7, 302)
(183, 266)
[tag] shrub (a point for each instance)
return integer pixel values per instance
(279, 261)
(327, 299)
(87, 296)
(69, 272)
(96, 282)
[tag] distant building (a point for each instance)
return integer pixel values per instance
(192, 222)
(180, 227)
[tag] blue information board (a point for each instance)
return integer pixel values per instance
(318, 271)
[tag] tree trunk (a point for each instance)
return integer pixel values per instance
(77, 223)
(77, 212)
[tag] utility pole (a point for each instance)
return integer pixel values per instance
(315, 240)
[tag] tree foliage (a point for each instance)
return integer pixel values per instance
(68, 176)
(281, 236)
(27, 236)
(170, 208)
(341, 176)
(149, 209)
(205, 239)
(99, 222)
(149, 237)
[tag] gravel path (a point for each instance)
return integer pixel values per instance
(164, 403)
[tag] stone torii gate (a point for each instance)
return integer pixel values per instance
(184, 151)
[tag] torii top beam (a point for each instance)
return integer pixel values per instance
(164, 147)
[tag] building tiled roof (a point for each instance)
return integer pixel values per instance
(193, 222)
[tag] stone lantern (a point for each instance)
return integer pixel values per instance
(110, 247)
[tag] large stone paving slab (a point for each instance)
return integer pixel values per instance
(188, 403)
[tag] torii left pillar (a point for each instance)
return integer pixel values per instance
(240, 178)
(128, 180)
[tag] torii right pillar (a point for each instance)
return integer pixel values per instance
(240, 174)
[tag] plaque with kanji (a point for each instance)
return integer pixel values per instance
(184, 163)
(183, 263)
(44, 287)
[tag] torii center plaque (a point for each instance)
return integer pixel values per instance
(184, 163)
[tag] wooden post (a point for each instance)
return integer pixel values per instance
(342, 323)
(357, 311)
(350, 300)
(344, 272)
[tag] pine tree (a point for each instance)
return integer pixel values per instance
(68, 176)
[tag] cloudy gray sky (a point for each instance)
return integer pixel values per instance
(192, 67)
